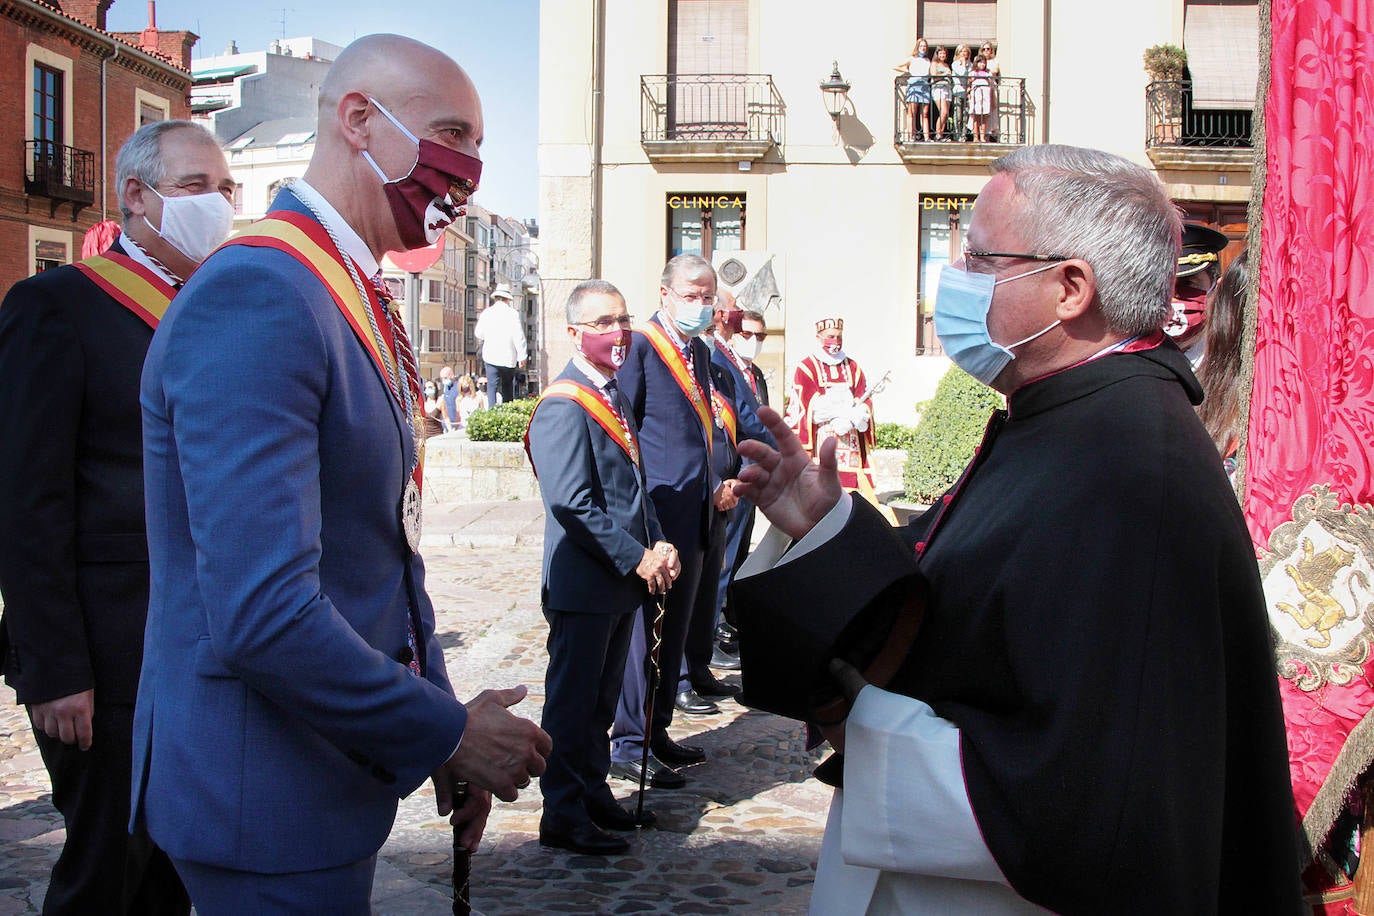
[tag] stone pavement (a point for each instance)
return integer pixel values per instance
(743, 836)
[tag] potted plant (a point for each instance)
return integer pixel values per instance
(1164, 64)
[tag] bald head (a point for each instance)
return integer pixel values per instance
(383, 94)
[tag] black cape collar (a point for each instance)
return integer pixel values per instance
(1165, 361)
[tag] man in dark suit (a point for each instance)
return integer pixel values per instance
(666, 380)
(293, 683)
(604, 554)
(73, 552)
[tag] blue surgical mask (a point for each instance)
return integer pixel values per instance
(962, 301)
(691, 319)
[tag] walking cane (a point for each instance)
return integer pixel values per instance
(655, 644)
(462, 861)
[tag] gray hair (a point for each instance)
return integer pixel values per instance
(686, 267)
(582, 291)
(1112, 213)
(751, 315)
(141, 155)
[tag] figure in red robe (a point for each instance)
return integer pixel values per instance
(829, 397)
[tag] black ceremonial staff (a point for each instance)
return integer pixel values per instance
(655, 674)
(462, 861)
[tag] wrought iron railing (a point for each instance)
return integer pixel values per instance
(1008, 119)
(1173, 120)
(710, 106)
(59, 172)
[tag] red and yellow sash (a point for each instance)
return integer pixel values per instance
(309, 243)
(725, 412)
(590, 400)
(677, 367)
(130, 284)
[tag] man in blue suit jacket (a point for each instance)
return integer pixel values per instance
(293, 685)
(666, 380)
(604, 554)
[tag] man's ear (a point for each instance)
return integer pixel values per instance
(132, 197)
(352, 113)
(1077, 289)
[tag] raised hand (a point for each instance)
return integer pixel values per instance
(791, 489)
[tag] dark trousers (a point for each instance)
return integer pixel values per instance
(629, 732)
(102, 868)
(739, 532)
(701, 630)
(500, 384)
(581, 687)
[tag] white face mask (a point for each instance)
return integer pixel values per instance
(196, 224)
(746, 349)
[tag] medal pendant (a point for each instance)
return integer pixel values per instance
(412, 515)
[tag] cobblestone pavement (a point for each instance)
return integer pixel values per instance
(743, 836)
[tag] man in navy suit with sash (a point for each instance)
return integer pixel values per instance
(293, 684)
(73, 552)
(666, 380)
(604, 555)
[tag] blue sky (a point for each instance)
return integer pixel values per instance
(497, 42)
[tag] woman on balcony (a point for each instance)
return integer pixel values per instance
(962, 68)
(917, 69)
(941, 90)
(994, 127)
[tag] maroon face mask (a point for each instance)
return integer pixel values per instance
(607, 348)
(734, 320)
(1190, 312)
(431, 195)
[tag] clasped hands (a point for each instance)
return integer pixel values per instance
(659, 567)
(499, 754)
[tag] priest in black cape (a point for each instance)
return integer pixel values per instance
(1087, 720)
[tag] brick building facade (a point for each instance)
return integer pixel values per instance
(70, 94)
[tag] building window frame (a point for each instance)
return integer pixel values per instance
(940, 223)
(44, 234)
(722, 224)
(35, 57)
(143, 99)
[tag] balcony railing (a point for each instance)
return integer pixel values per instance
(1172, 119)
(704, 115)
(59, 173)
(1008, 121)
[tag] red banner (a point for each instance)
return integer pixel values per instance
(1309, 478)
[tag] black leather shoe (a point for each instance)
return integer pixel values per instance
(724, 660)
(713, 689)
(614, 817)
(661, 776)
(587, 839)
(689, 702)
(670, 752)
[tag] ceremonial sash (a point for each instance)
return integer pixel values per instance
(309, 243)
(129, 283)
(725, 412)
(677, 367)
(590, 400)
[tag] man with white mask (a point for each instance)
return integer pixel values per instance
(1087, 718)
(73, 554)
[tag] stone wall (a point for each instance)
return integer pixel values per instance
(457, 470)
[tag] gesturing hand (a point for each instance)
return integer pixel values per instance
(791, 489)
(500, 751)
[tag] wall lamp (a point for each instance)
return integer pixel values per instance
(835, 88)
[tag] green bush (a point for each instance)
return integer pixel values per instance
(894, 435)
(502, 423)
(951, 427)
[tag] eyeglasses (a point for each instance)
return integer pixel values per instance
(606, 322)
(750, 335)
(708, 301)
(971, 255)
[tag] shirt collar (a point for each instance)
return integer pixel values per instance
(135, 252)
(349, 240)
(592, 373)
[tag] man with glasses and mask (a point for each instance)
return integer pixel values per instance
(293, 683)
(1088, 717)
(666, 380)
(73, 552)
(604, 557)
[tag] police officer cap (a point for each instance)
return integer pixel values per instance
(1202, 247)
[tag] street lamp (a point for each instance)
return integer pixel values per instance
(835, 88)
